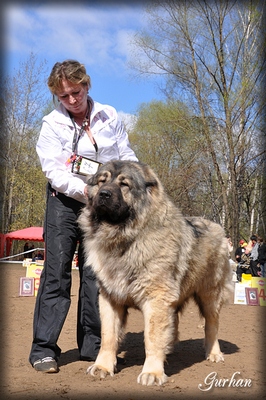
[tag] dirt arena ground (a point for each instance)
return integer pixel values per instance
(241, 335)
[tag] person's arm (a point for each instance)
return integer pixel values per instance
(249, 247)
(238, 254)
(124, 147)
(53, 158)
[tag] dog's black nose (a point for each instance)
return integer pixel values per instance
(105, 194)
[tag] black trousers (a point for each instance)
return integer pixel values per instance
(61, 235)
(242, 270)
(254, 268)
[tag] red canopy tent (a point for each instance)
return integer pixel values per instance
(33, 234)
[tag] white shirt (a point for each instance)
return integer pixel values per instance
(54, 146)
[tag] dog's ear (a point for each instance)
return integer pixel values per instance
(151, 180)
(150, 186)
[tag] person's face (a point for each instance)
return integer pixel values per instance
(73, 96)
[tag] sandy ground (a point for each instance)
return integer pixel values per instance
(241, 335)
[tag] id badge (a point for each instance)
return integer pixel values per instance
(84, 166)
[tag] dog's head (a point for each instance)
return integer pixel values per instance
(120, 190)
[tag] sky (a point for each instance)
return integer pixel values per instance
(97, 35)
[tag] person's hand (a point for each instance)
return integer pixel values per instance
(86, 191)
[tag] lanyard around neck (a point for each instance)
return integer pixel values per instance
(77, 136)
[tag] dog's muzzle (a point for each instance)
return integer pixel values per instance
(110, 206)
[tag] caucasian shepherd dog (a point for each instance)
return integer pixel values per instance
(146, 255)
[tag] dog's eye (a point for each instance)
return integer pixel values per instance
(101, 181)
(103, 178)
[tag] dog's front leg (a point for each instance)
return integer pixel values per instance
(159, 329)
(113, 318)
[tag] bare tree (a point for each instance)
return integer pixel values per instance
(168, 138)
(22, 101)
(213, 58)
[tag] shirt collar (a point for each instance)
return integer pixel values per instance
(61, 115)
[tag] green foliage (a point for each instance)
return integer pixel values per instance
(169, 138)
(213, 58)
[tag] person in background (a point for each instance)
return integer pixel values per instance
(252, 251)
(261, 256)
(75, 138)
(239, 251)
(25, 250)
(38, 256)
(243, 267)
(30, 254)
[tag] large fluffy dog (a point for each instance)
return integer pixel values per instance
(147, 255)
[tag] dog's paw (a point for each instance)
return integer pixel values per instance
(215, 357)
(95, 369)
(150, 378)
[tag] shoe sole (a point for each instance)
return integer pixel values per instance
(51, 370)
(46, 369)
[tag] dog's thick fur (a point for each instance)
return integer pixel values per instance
(146, 255)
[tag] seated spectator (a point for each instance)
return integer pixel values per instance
(38, 256)
(239, 251)
(243, 266)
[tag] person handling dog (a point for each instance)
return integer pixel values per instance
(75, 138)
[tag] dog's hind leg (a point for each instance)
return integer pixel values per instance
(113, 319)
(210, 309)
